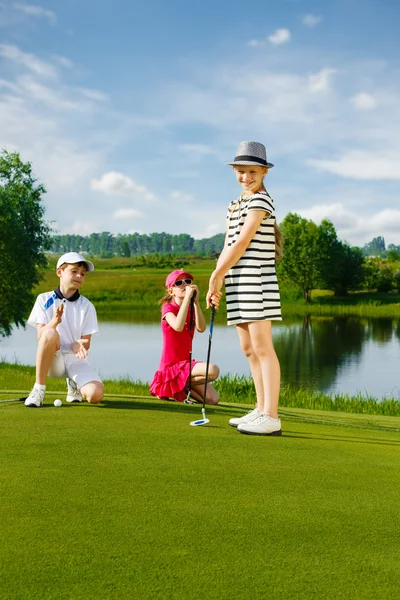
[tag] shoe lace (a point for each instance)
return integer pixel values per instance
(261, 417)
(37, 394)
(254, 412)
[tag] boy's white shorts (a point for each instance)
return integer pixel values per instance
(66, 364)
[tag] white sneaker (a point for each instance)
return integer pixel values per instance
(262, 425)
(250, 416)
(35, 398)
(73, 394)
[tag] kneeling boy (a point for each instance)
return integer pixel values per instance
(65, 322)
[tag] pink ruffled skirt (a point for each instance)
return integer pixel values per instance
(172, 381)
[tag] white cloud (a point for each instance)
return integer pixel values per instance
(30, 61)
(181, 197)
(80, 228)
(358, 227)
(256, 43)
(280, 36)
(311, 20)
(342, 217)
(65, 62)
(320, 82)
(363, 101)
(95, 95)
(117, 184)
(361, 164)
(52, 98)
(127, 213)
(36, 11)
(201, 149)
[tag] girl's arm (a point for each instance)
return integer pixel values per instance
(178, 321)
(231, 254)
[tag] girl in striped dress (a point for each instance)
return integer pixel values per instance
(247, 262)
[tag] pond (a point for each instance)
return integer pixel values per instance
(333, 355)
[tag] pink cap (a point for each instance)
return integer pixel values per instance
(175, 275)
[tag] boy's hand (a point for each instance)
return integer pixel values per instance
(79, 348)
(56, 320)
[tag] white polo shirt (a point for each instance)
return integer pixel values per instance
(79, 317)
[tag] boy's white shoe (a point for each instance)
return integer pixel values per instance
(247, 418)
(73, 394)
(262, 425)
(35, 398)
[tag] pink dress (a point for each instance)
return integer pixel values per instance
(172, 376)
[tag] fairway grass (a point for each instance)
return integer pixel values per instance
(125, 500)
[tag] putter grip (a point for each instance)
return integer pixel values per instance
(212, 319)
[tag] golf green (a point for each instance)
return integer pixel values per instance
(126, 500)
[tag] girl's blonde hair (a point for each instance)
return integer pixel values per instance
(165, 299)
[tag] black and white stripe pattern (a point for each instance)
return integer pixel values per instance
(252, 292)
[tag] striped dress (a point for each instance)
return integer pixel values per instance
(251, 285)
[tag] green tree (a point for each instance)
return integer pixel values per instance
(342, 266)
(301, 257)
(125, 249)
(385, 279)
(375, 247)
(24, 236)
(393, 255)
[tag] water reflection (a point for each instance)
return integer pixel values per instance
(381, 332)
(339, 354)
(311, 353)
(319, 353)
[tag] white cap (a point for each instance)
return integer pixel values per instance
(73, 257)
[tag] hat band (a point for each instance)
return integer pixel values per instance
(251, 158)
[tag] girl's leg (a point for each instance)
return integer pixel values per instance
(212, 396)
(199, 373)
(198, 380)
(254, 362)
(260, 333)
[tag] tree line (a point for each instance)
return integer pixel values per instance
(377, 247)
(107, 245)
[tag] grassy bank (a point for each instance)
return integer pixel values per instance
(122, 292)
(232, 389)
(126, 500)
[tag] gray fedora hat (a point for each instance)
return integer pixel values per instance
(251, 153)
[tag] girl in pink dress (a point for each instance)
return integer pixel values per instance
(172, 378)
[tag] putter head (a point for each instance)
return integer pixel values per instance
(202, 421)
(199, 422)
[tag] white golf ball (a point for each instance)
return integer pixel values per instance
(57, 402)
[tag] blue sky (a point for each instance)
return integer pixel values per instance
(129, 110)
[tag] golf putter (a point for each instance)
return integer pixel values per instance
(13, 400)
(204, 420)
(188, 399)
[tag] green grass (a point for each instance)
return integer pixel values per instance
(122, 292)
(232, 388)
(126, 500)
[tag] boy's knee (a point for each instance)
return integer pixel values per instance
(50, 337)
(93, 392)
